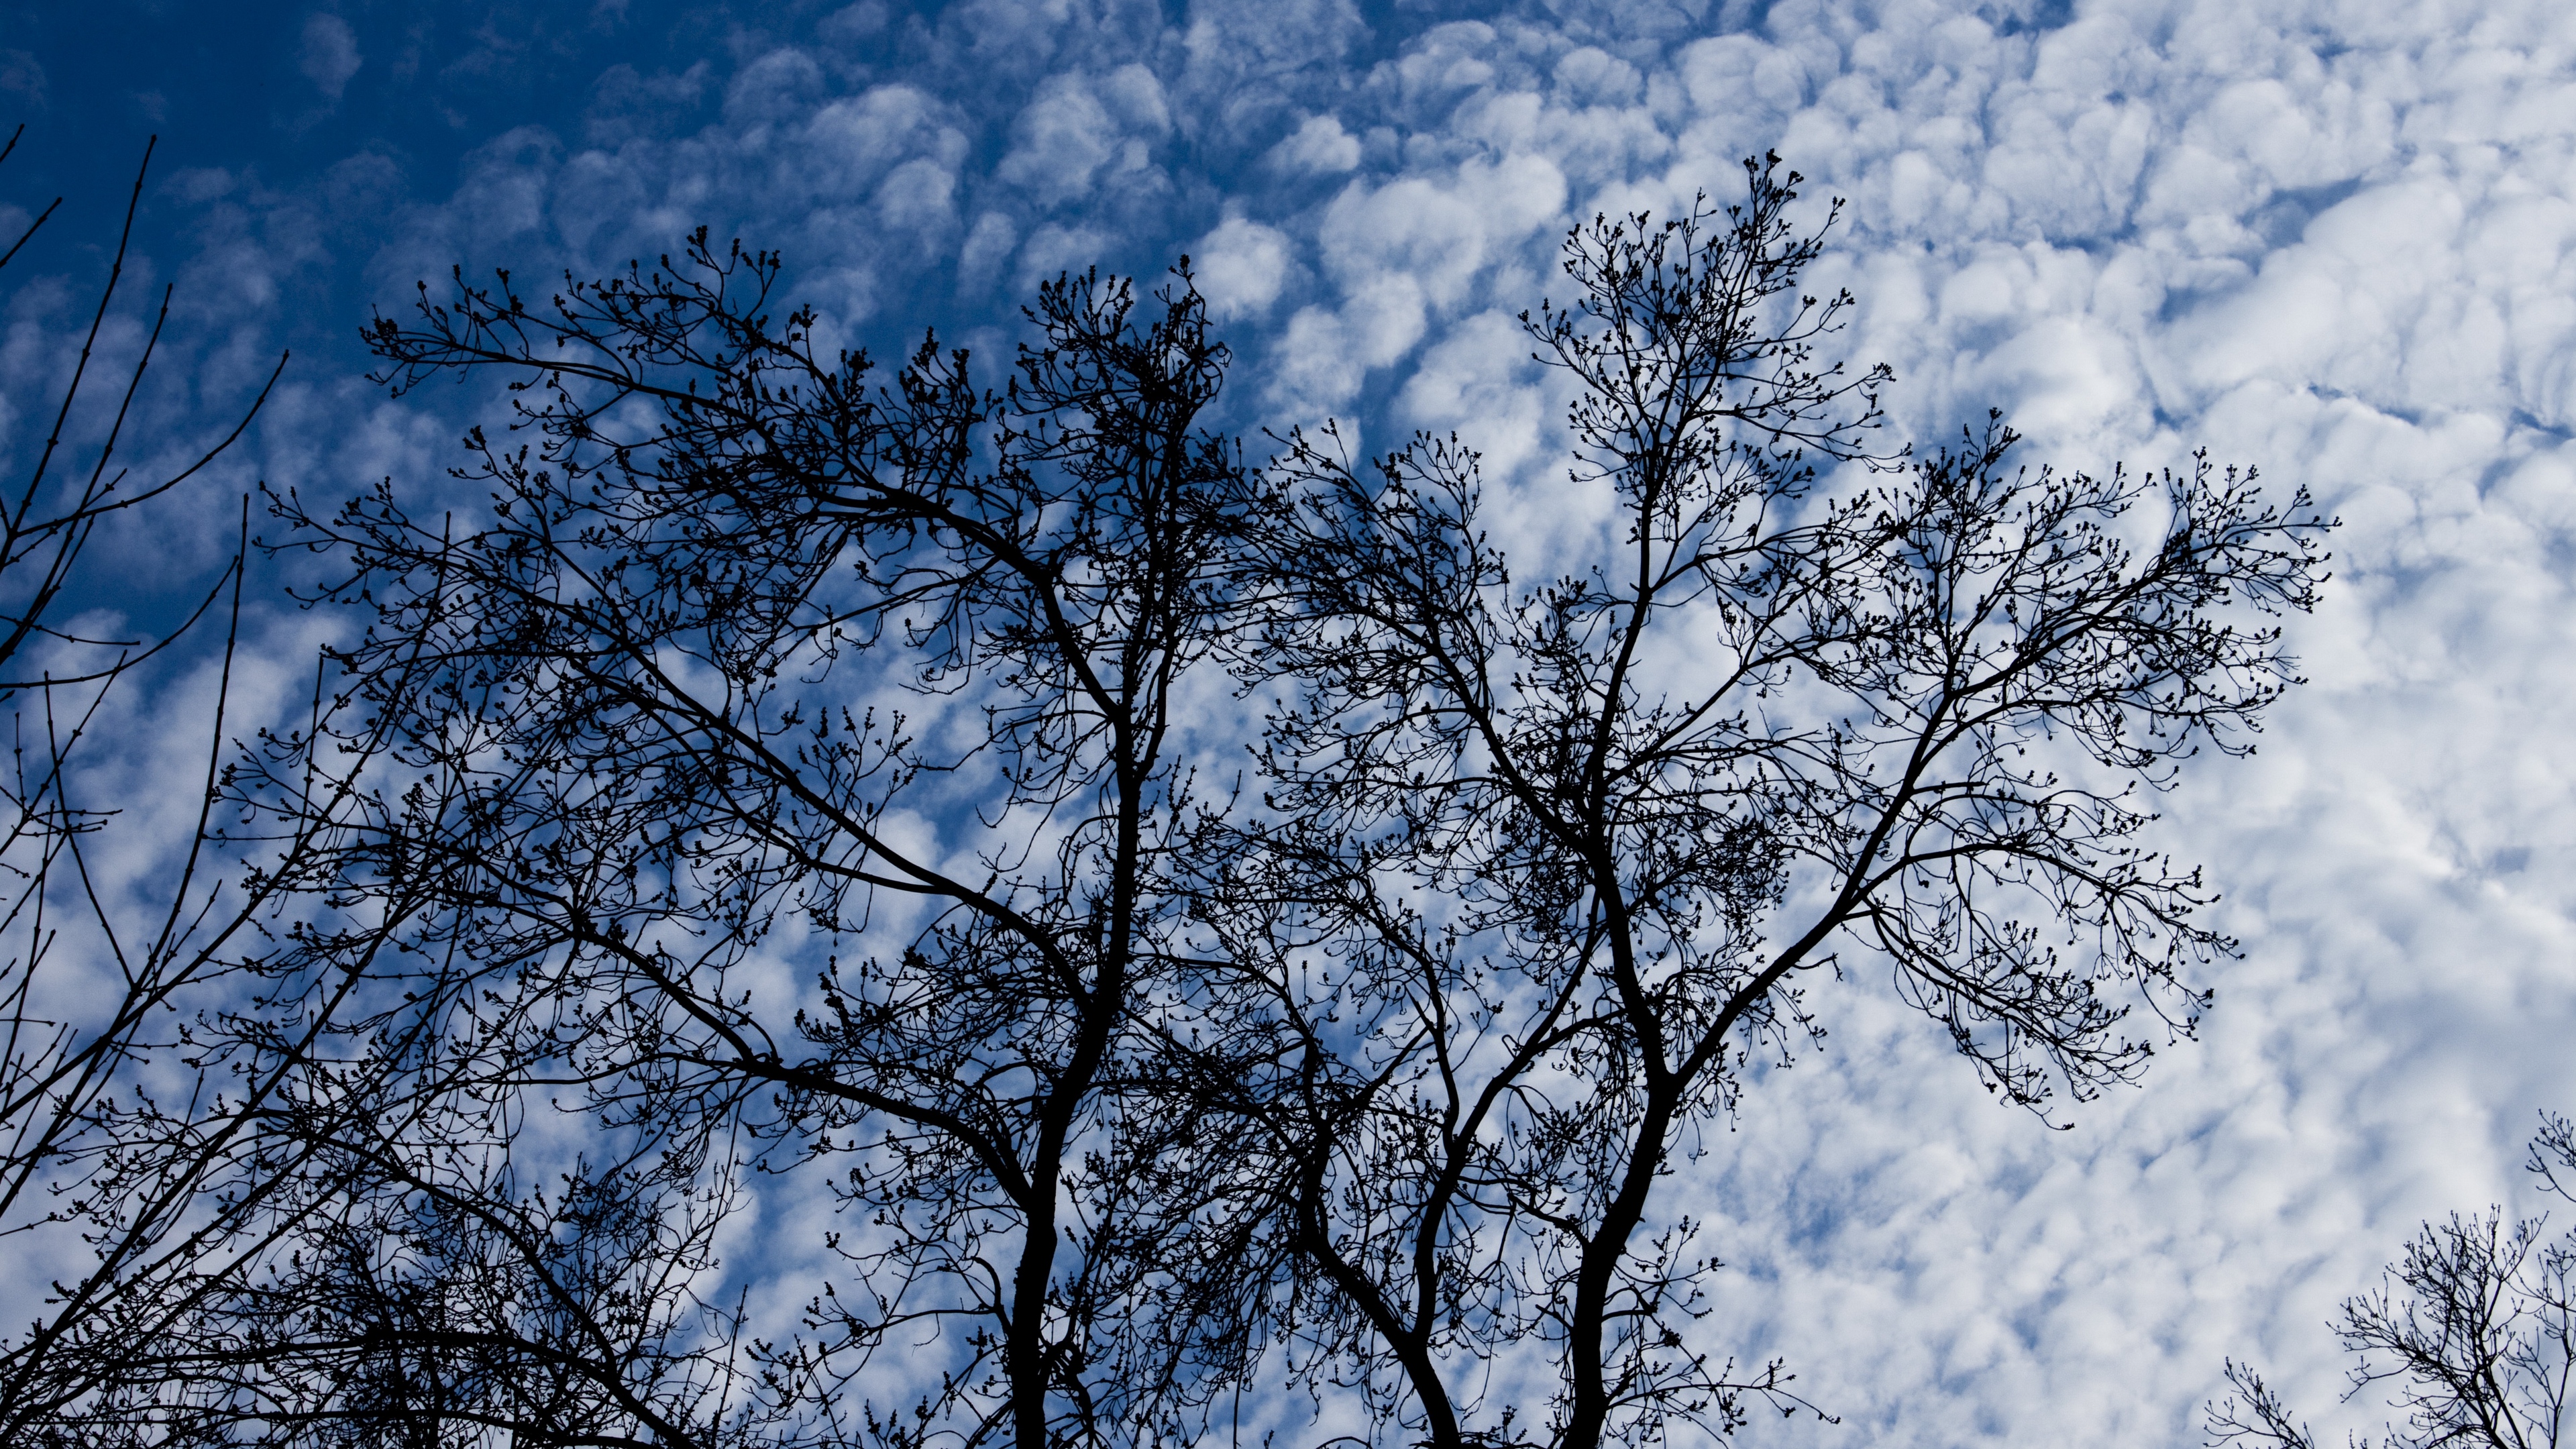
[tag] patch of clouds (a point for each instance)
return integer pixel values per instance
(852, 23)
(779, 85)
(1135, 97)
(1257, 37)
(1241, 267)
(1398, 254)
(1480, 383)
(1075, 129)
(507, 191)
(1445, 65)
(1441, 233)
(987, 247)
(1588, 75)
(329, 56)
(1315, 368)
(918, 196)
(1318, 146)
(197, 185)
(1054, 249)
(628, 105)
(1253, 68)
(22, 79)
(853, 145)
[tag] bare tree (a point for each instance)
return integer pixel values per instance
(131, 1171)
(1544, 868)
(778, 786)
(2473, 1331)
(748, 645)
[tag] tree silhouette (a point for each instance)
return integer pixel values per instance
(1545, 867)
(1138, 931)
(2473, 1331)
(650, 709)
(132, 1178)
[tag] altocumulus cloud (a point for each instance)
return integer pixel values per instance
(2331, 240)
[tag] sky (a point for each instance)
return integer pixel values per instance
(2330, 240)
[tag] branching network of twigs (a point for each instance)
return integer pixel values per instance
(836, 904)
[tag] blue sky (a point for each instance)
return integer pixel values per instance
(2328, 239)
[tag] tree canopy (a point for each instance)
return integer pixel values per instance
(1138, 929)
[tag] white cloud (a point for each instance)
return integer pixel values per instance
(1054, 249)
(1440, 236)
(1241, 266)
(1240, 36)
(22, 79)
(1059, 141)
(848, 145)
(777, 86)
(987, 247)
(917, 196)
(1318, 145)
(1313, 369)
(1592, 76)
(330, 54)
(1133, 94)
(852, 24)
